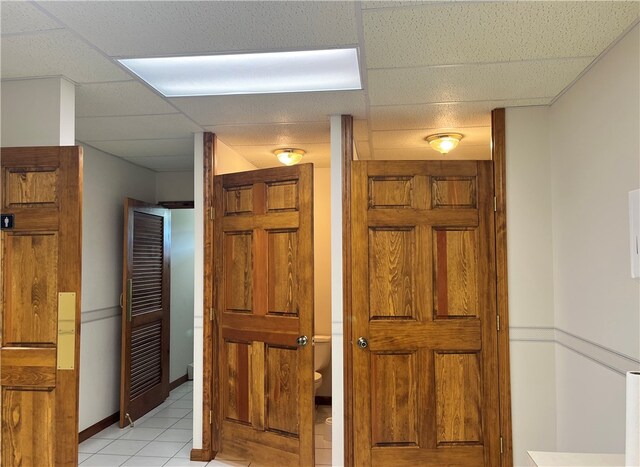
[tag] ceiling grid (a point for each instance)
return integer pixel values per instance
(426, 67)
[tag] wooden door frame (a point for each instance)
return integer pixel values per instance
(210, 398)
(498, 145)
(504, 384)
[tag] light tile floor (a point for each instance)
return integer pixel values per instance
(163, 437)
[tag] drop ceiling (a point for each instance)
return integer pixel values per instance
(426, 67)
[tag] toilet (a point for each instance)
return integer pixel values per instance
(321, 357)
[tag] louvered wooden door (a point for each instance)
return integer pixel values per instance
(264, 302)
(426, 384)
(40, 301)
(145, 312)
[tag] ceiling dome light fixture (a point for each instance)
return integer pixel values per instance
(444, 142)
(289, 156)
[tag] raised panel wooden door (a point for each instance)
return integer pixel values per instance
(263, 256)
(425, 374)
(144, 382)
(40, 300)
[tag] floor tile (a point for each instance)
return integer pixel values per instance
(161, 449)
(83, 456)
(124, 447)
(105, 460)
(176, 462)
(93, 445)
(323, 456)
(185, 452)
(146, 461)
(182, 404)
(172, 413)
(155, 422)
(184, 424)
(173, 434)
(143, 433)
(111, 432)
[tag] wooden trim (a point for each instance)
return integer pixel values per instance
(347, 158)
(200, 455)
(177, 204)
(98, 427)
(504, 382)
(210, 431)
(323, 400)
(178, 382)
(69, 279)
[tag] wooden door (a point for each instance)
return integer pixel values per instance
(426, 384)
(263, 260)
(144, 381)
(40, 333)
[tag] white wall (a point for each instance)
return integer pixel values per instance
(530, 277)
(574, 310)
(174, 186)
(182, 242)
(337, 309)
(228, 161)
(322, 262)
(107, 181)
(595, 161)
(38, 112)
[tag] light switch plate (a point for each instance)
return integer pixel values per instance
(634, 232)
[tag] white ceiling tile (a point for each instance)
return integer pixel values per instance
(278, 135)
(366, 4)
(500, 81)
(20, 17)
(146, 148)
(272, 108)
(476, 136)
(56, 53)
(119, 98)
(138, 127)
(454, 115)
(459, 153)
(169, 28)
(163, 164)
(484, 32)
(262, 156)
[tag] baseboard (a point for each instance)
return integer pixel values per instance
(323, 400)
(174, 384)
(200, 455)
(98, 427)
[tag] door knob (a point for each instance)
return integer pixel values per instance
(362, 343)
(302, 341)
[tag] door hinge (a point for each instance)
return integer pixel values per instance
(498, 321)
(211, 314)
(211, 417)
(501, 446)
(495, 204)
(212, 213)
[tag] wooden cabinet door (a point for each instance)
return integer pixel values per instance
(426, 384)
(41, 269)
(263, 262)
(144, 382)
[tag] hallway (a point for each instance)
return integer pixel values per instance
(163, 437)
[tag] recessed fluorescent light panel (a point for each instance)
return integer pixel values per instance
(255, 73)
